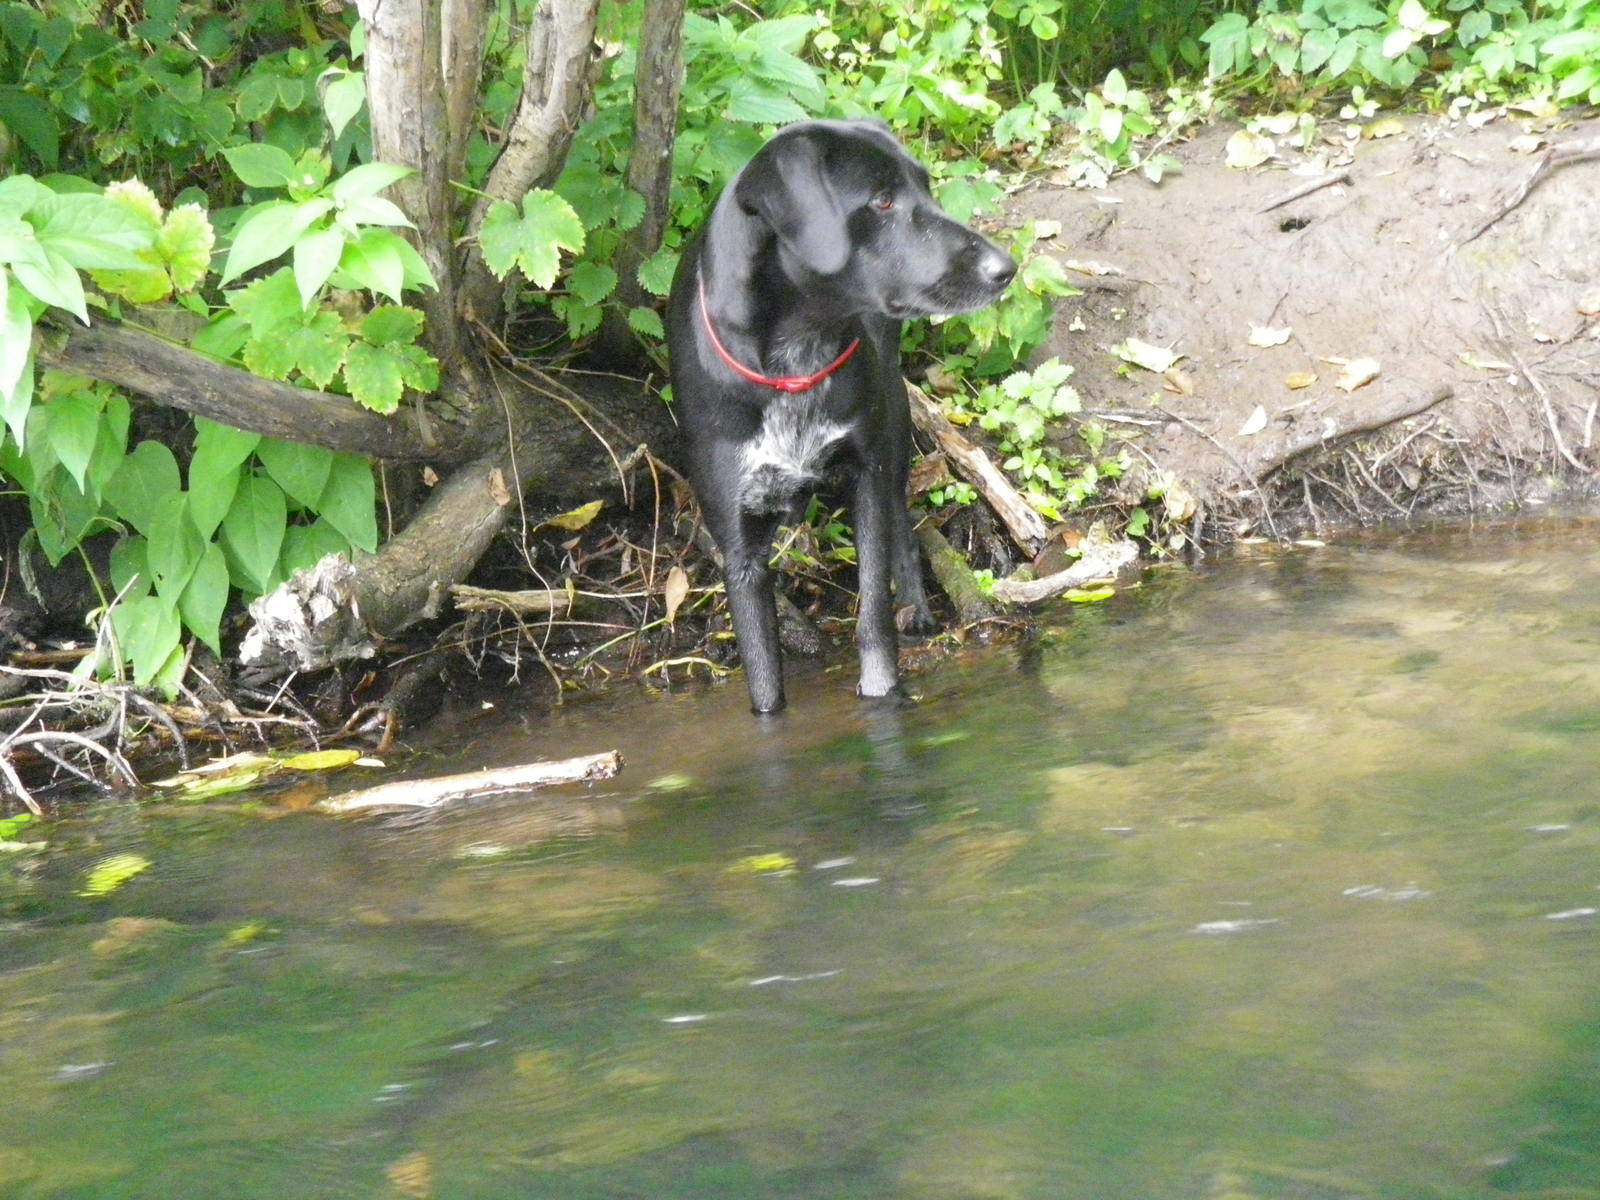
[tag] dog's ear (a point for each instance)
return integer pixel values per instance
(787, 186)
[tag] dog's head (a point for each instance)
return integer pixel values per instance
(852, 216)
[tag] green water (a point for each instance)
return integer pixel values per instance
(1272, 880)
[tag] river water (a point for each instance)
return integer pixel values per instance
(1275, 879)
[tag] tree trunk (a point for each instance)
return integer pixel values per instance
(657, 85)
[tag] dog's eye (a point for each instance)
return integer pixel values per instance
(883, 201)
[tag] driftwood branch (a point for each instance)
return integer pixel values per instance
(175, 375)
(413, 794)
(1305, 189)
(1271, 455)
(954, 575)
(1099, 562)
(528, 602)
(1027, 527)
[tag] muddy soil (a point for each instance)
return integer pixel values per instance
(1487, 351)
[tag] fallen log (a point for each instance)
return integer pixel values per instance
(1026, 526)
(1099, 562)
(955, 576)
(413, 794)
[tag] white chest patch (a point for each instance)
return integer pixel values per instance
(795, 438)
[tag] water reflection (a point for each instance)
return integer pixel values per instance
(1275, 880)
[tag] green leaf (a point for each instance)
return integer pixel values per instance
(175, 546)
(130, 566)
(74, 429)
(349, 501)
(375, 377)
(391, 323)
(375, 261)
(315, 257)
(148, 630)
(32, 120)
(343, 97)
(185, 244)
(219, 451)
(268, 301)
(16, 350)
(146, 476)
(268, 231)
(206, 598)
(55, 283)
(656, 272)
(532, 241)
(301, 471)
(373, 210)
(317, 348)
(367, 180)
(260, 165)
(646, 321)
(109, 874)
(90, 232)
(252, 533)
(304, 546)
(591, 282)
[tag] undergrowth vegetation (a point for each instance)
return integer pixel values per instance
(214, 161)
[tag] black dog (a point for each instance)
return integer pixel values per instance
(784, 331)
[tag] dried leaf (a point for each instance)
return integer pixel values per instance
(578, 518)
(1179, 381)
(1528, 143)
(1254, 423)
(1246, 149)
(321, 760)
(1384, 127)
(498, 491)
(1300, 379)
(676, 589)
(1589, 302)
(1357, 373)
(927, 473)
(1142, 354)
(430, 477)
(1470, 359)
(412, 1176)
(1261, 335)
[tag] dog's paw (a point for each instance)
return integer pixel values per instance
(915, 620)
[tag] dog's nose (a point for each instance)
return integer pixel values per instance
(997, 268)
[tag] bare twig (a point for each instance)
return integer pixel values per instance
(1555, 158)
(431, 793)
(1306, 189)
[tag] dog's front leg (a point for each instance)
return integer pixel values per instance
(754, 612)
(875, 632)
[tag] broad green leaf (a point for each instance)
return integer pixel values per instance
(375, 261)
(533, 240)
(349, 502)
(147, 475)
(252, 533)
(591, 282)
(87, 231)
(301, 471)
(343, 97)
(304, 546)
(62, 515)
(390, 323)
(319, 760)
(130, 566)
(107, 875)
(367, 180)
(214, 471)
(656, 272)
(373, 210)
(206, 597)
(185, 244)
(56, 283)
(315, 257)
(148, 631)
(16, 343)
(268, 232)
(137, 198)
(269, 301)
(33, 122)
(646, 321)
(175, 546)
(375, 376)
(74, 429)
(317, 348)
(270, 353)
(260, 165)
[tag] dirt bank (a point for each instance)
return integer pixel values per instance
(1487, 351)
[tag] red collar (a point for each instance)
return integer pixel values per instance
(783, 383)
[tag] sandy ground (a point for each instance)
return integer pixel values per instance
(1485, 355)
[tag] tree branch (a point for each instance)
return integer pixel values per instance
(182, 378)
